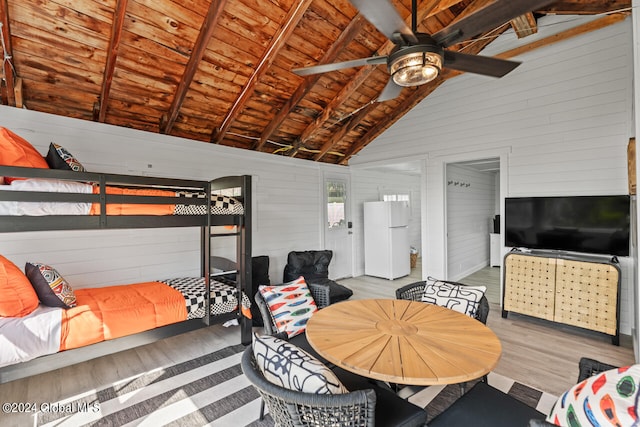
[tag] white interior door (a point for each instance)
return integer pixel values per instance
(338, 233)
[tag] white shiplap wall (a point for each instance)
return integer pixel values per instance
(288, 203)
(560, 123)
(470, 201)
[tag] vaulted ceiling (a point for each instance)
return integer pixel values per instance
(220, 71)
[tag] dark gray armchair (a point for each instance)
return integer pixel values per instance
(320, 295)
(314, 267)
(292, 408)
(484, 405)
(366, 404)
(414, 291)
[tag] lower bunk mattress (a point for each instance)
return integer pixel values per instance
(112, 312)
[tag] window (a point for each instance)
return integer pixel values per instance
(336, 201)
(395, 197)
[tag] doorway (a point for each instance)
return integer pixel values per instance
(338, 234)
(472, 201)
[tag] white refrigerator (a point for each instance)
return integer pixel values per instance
(386, 239)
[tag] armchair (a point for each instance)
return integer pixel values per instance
(365, 405)
(484, 405)
(320, 295)
(414, 291)
(314, 267)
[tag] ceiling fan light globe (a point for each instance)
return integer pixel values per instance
(416, 68)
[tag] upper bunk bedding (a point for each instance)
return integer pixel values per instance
(58, 185)
(177, 202)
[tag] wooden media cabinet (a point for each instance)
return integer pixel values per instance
(576, 291)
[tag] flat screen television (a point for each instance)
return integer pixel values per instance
(590, 224)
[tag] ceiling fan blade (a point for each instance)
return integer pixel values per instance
(325, 68)
(485, 19)
(484, 65)
(386, 19)
(390, 91)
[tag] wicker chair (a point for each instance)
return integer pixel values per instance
(590, 367)
(414, 291)
(367, 404)
(320, 295)
(295, 409)
(484, 405)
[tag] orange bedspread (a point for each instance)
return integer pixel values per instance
(116, 311)
(134, 209)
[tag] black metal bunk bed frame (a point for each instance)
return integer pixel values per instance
(103, 221)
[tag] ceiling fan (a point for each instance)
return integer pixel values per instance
(418, 58)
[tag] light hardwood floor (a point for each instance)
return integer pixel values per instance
(537, 353)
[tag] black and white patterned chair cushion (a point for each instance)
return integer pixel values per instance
(290, 367)
(463, 299)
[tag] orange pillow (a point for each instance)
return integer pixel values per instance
(17, 151)
(18, 296)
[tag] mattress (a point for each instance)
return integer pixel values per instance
(220, 205)
(111, 312)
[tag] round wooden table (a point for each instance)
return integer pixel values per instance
(404, 342)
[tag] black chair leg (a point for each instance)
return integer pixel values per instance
(262, 410)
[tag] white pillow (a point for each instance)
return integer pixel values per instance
(463, 299)
(290, 367)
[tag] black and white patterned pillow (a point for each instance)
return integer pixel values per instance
(463, 299)
(224, 205)
(290, 367)
(52, 289)
(59, 158)
(220, 205)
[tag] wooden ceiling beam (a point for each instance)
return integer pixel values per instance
(586, 7)
(524, 25)
(279, 40)
(588, 27)
(350, 124)
(206, 31)
(18, 92)
(423, 91)
(355, 83)
(350, 32)
(8, 54)
(100, 113)
(330, 110)
(442, 6)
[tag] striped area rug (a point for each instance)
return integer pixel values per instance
(212, 391)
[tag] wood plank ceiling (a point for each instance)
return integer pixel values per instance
(219, 71)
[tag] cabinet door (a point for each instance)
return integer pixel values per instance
(529, 285)
(587, 295)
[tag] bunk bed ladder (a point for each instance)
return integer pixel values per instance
(244, 257)
(205, 252)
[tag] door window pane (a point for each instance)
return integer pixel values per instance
(336, 202)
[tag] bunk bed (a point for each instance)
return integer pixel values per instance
(114, 201)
